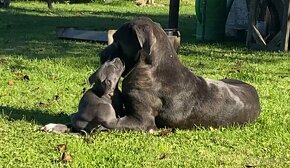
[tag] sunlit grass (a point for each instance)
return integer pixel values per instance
(42, 79)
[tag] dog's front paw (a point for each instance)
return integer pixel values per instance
(58, 128)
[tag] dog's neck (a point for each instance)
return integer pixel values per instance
(130, 71)
(134, 67)
(100, 93)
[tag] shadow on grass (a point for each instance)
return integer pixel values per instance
(37, 116)
(33, 36)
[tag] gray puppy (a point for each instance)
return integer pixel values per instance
(96, 105)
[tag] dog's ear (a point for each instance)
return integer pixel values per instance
(109, 53)
(146, 39)
(92, 78)
(98, 75)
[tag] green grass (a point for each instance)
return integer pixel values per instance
(42, 79)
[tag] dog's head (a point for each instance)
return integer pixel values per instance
(106, 78)
(139, 34)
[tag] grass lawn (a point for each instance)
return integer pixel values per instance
(42, 79)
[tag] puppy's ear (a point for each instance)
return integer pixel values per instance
(98, 75)
(146, 39)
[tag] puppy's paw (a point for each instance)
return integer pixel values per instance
(151, 131)
(57, 128)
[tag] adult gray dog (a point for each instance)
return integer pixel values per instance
(158, 91)
(99, 105)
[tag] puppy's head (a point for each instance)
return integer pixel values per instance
(106, 78)
(139, 34)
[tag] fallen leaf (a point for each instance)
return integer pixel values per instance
(166, 132)
(11, 82)
(66, 157)
(61, 148)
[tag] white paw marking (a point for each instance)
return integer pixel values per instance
(52, 127)
(48, 127)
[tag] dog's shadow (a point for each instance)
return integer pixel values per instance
(36, 116)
